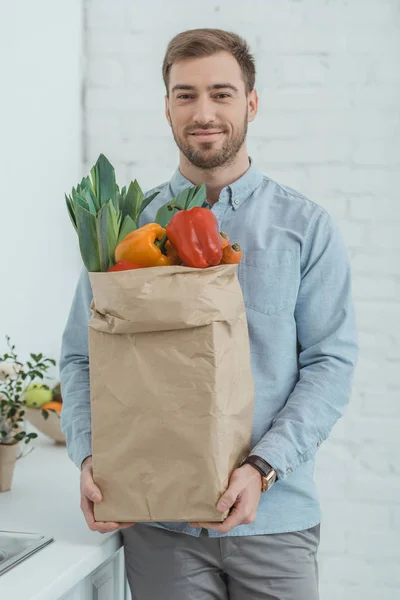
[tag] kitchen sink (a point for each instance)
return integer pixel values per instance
(16, 546)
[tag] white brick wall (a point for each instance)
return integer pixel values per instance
(329, 125)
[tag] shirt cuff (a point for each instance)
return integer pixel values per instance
(80, 448)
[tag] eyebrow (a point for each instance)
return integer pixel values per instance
(216, 86)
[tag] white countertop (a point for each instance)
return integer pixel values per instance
(45, 499)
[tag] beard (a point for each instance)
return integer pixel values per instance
(208, 158)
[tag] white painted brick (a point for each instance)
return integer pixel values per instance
(357, 516)
(302, 70)
(388, 486)
(376, 343)
(385, 234)
(371, 288)
(104, 43)
(379, 315)
(333, 487)
(354, 234)
(303, 40)
(104, 126)
(364, 429)
(378, 152)
(329, 591)
(380, 459)
(396, 517)
(305, 99)
(369, 370)
(106, 72)
(379, 545)
(289, 151)
(353, 180)
(373, 207)
(385, 262)
(354, 570)
(336, 205)
(103, 14)
(333, 540)
(382, 403)
(341, 14)
(319, 124)
(394, 351)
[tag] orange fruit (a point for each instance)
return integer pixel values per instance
(57, 406)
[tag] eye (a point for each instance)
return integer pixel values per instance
(184, 96)
(225, 95)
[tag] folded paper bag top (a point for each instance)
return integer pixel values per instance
(164, 298)
(171, 391)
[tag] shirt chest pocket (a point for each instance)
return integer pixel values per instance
(268, 280)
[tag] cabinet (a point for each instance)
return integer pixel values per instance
(107, 582)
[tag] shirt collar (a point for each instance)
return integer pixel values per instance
(235, 193)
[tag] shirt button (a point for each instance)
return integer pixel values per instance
(288, 470)
(236, 201)
(319, 443)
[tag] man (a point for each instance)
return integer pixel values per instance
(296, 282)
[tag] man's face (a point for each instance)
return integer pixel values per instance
(208, 109)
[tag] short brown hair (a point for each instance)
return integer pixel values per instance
(195, 43)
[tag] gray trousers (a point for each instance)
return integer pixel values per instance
(164, 565)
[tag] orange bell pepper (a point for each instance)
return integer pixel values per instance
(140, 247)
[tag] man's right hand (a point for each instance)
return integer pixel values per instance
(90, 495)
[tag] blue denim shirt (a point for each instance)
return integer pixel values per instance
(296, 281)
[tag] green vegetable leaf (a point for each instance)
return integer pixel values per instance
(107, 234)
(87, 234)
(188, 198)
(90, 203)
(71, 211)
(164, 215)
(133, 201)
(128, 225)
(105, 180)
(198, 197)
(146, 201)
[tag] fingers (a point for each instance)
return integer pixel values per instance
(240, 514)
(229, 497)
(102, 527)
(88, 486)
(125, 525)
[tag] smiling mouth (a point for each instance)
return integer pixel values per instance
(207, 137)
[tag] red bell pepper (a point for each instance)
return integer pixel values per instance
(124, 265)
(194, 233)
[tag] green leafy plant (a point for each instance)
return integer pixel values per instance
(103, 215)
(15, 377)
(190, 197)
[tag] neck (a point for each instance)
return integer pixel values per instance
(215, 179)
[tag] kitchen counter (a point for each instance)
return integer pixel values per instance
(45, 499)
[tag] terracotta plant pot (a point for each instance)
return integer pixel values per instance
(8, 456)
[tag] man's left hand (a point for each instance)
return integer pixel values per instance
(243, 494)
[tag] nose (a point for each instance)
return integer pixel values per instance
(203, 111)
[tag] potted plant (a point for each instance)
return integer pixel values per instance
(15, 378)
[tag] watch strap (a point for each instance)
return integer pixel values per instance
(268, 473)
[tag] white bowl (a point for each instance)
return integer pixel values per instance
(50, 426)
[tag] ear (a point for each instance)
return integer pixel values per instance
(167, 114)
(252, 105)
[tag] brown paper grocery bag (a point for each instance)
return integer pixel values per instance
(171, 390)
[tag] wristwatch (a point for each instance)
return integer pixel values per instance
(268, 473)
